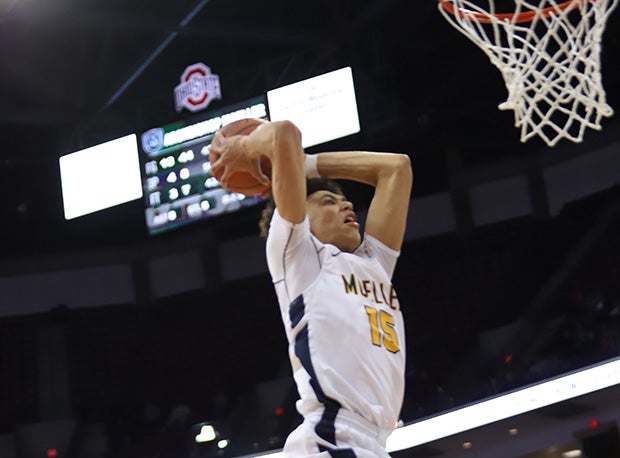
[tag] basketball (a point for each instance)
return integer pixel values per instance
(241, 127)
(243, 182)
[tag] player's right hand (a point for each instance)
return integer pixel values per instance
(230, 155)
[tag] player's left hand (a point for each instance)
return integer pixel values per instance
(230, 155)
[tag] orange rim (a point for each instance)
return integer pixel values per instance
(511, 17)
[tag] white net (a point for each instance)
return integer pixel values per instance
(549, 55)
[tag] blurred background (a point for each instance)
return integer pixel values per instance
(117, 340)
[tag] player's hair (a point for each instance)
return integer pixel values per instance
(312, 185)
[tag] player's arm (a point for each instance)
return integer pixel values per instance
(280, 141)
(392, 178)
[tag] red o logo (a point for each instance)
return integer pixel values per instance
(198, 87)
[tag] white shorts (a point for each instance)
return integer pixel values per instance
(354, 437)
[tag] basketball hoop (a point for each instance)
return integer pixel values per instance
(549, 56)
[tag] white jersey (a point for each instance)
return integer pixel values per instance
(343, 323)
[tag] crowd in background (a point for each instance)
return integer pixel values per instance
(149, 377)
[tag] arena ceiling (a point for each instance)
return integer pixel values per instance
(76, 73)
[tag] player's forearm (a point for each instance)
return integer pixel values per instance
(366, 167)
(281, 143)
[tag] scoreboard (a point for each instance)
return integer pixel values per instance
(176, 172)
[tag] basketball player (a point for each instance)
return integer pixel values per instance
(341, 314)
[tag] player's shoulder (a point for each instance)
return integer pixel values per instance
(279, 224)
(285, 235)
(374, 250)
(372, 247)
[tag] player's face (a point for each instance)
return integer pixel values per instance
(332, 220)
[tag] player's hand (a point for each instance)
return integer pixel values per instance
(229, 155)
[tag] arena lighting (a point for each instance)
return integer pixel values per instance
(506, 406)
(207, 434)
(222, 444)
(509, 405)
(572, 454)
(594, 423)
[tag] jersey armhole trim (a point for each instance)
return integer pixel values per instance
(288, 241)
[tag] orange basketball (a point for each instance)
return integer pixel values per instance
(243, 182)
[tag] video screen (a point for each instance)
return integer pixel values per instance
(178, 186)
(324, 107)
(81, 171)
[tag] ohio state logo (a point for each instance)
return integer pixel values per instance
(197, 89)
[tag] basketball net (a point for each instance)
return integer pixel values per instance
(549, 56)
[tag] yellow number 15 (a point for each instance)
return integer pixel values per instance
(382, 331)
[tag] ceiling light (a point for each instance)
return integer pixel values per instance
(222, 444)
(207, 434)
